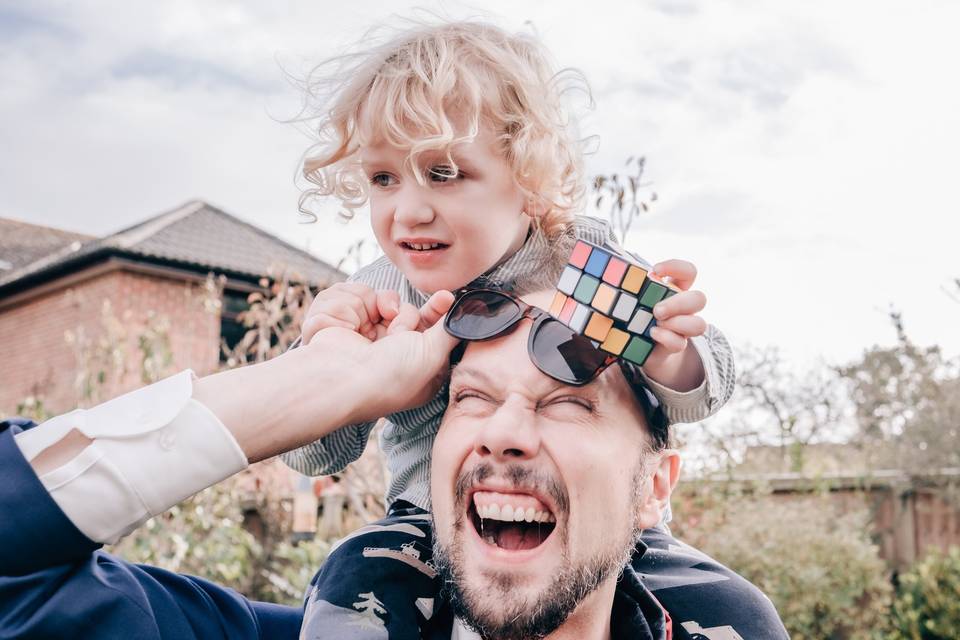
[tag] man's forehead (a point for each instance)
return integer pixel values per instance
(503, 356)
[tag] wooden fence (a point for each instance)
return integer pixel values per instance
(910, 513)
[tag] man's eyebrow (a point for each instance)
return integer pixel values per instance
(587, 391)
(472, 372)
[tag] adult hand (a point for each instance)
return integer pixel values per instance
(340, 377)
(400, 369)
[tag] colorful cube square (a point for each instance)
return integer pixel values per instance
(598, 327)
(557, 305)
(637, 350)
(579, 318)
(604, 298)
(580, 254)
(615, 342)
(653, 292)
(634, 279)
(568, 280)
(586, 289)
(640, 322)
(623, 310)
(615, 271)
(597, 262)
(567, 312)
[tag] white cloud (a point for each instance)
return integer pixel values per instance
(803, 152)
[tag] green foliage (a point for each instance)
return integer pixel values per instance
(205, 536)
(201, 536)
(291, 568)
(927, 606)
(817, 565)
(156, 354)
(33, 407)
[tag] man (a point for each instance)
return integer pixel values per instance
(585, 456)
(520, 441)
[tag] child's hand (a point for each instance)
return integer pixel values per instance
(372, 314)
(674, 362)
(352, 306)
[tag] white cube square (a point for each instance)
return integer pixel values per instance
(626, 303)
(579, 319)
(640, 321)
(568, 280)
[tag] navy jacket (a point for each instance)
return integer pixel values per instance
(55, 583)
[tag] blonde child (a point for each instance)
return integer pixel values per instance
(456, 136)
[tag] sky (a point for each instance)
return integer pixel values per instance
(802, 153)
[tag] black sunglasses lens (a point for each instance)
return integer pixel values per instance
(565, 355)
(481, 314)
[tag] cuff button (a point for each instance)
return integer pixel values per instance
(167, 440)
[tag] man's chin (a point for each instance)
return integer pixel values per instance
(506, 605)
(523, 601)
(520, 587)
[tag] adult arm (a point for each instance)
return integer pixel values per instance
(56, 584)
(334, 451)
(49, 571)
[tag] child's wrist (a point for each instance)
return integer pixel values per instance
(682, 371)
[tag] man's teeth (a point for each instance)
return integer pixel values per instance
(424, 247)
(508, 514)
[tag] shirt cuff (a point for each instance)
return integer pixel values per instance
(696, 404)
(150, 449)
(680, 402)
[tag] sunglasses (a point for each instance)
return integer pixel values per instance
(554, 348)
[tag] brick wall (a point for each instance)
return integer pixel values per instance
(37, 359)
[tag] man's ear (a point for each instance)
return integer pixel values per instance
(658, 487)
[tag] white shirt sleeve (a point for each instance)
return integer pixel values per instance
(151, 449)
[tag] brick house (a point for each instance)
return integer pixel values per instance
(64, 294)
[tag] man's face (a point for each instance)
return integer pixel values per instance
(569, 460)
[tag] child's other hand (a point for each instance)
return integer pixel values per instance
(674, 362)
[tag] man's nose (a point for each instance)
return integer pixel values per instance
(413, 207)
(510, 434)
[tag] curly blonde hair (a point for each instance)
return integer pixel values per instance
(432, 87)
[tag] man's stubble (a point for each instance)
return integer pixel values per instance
(512, 620)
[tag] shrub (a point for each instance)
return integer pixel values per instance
(202, 536)
(927, 606)
(205, 536)
(818, 566)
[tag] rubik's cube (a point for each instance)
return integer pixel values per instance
(609, 299)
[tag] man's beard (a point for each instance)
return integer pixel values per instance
(504, 618)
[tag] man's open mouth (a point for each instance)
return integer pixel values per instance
(514, 522)
(423, 246)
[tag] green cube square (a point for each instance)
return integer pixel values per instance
(652, 294)
(637, 351)
(586, 288)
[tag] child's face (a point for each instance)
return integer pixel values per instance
(448, 231)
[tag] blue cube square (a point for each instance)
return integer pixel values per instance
(597, 263)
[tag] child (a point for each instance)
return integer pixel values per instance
(456, 135)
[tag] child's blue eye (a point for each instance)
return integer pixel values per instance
(444, 173)
(381, 179)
